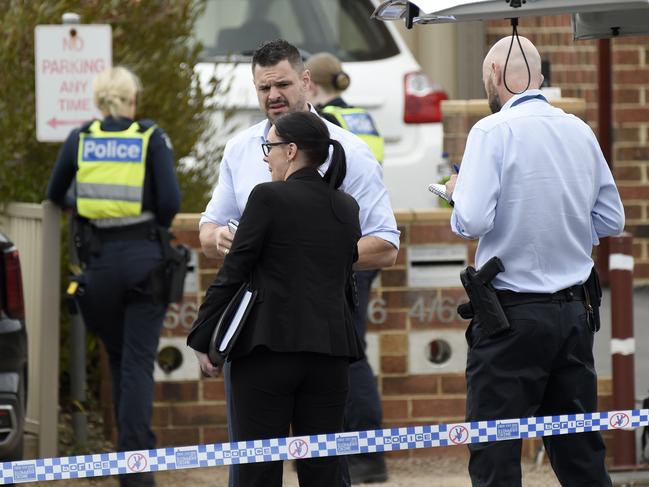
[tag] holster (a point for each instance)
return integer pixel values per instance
(84, 239)
(483, 304)
(593, 293)
(168, 279)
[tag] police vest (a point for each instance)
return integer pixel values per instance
(111, 170)
(360, 123)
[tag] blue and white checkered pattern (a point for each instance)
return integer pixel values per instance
(324, 445)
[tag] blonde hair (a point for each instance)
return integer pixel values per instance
(114, 89)
(327, 71)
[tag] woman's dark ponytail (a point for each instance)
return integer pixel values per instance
(337, 167)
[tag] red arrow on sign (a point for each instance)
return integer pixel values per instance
(55, 122)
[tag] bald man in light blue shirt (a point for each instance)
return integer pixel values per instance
(534, 188)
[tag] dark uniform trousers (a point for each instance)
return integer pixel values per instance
(363, 410)
(543, 365)
(118, 308)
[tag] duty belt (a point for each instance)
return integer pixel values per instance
(141, 231)
(512, 298)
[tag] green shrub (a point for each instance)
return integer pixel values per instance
(151, 37)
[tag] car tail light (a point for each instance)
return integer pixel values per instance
(14, 302)
(423, 99)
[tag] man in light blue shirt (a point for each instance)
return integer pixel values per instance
(534, 188)
(281, 82)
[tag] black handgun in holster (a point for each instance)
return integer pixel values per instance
(593, 299)
(483, 303)
(84, 239)
(168, 279)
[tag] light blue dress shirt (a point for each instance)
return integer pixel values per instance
(243, 167)
(535, 189)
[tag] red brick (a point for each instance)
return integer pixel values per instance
(428, 233)
(631, 95)
(199, 415)
(213, 434)
(641, 270)
(453, 384)
(441, 406)
(627, 173)
(626, 56)
(168, 437)
(394, 409)
(636, 114)
(633, 212)
(639, 76)
(213, 390)
(394, 344)
(188, 237)
(207, 263)
(160, 416)
(627, 134)
(410, 385)
(394, 364)
(570, 75)
(176, 391)
(632, 153)
(637, 192)
(385, 320)
(393, 278)
(638, 248)
(436, 310)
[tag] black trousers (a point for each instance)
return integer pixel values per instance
(542, 365)
(363, 410)
(277, 392)
(129, 324)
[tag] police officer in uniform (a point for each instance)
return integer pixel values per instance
(363, 411)
(126, 193)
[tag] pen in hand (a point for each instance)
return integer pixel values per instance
(456, 168)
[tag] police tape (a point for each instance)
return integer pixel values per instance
(324, 445)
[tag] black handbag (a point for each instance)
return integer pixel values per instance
(230, 324)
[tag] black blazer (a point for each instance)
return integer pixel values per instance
(296, 243)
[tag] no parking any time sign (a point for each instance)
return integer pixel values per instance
(68, 57)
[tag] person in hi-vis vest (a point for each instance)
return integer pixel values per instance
(126, 193)
(328, 81)
(363, 410)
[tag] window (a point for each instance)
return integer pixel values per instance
(342, 27)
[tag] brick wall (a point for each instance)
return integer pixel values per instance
(406, 315)
(574, 69)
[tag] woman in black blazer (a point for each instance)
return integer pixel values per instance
(295, 244)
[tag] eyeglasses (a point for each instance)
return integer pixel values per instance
(267, 146)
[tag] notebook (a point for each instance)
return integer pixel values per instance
(230, 324)
(440, 190)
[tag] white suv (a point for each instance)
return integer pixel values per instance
(386, 79)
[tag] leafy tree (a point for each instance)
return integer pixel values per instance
(151, 37)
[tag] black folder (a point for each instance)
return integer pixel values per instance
(230, 324)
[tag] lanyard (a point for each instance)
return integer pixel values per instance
(528, 97)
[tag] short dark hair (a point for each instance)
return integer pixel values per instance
(270, 53)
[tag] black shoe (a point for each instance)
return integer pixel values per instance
(367, 468)
(144, 479)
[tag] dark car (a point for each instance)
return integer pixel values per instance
(13, 353)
